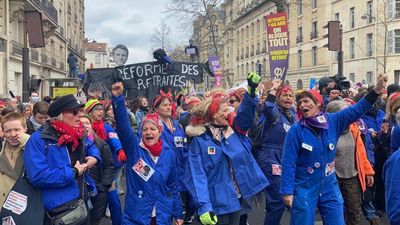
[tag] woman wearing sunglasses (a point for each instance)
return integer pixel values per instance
(56, 158)
(236, 97)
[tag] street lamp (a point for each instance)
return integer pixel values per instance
(368, 16)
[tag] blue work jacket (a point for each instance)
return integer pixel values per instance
(391, 171)
(308, 157)
(176, 139)
(160, 190)
(208, 173)
(49, 167)
(113, 143)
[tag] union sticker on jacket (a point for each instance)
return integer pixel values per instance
(211, 150)
(276, 169)
(330, 168)
(178, 141)
(8, 221)
(143, 169)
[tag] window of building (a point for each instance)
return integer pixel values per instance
(314, 53)
(252, 29)
(247, 32)
(352, 17)
(252, 50)
(352, 48)
(337, 16)
(97, 59)
(314, 4)
(299, 38)
(352, 77)
(258, 27)
(314, 30)
(299, 7)
(393, 8)
(299, 59)
(369, 44)
(369, 11)
(264, 25)
(258, 48)
(393, 42)
(370, 78)
(396, 76)
(265, 46)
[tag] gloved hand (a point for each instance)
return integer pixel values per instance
(208, 218)
(252, 80)
(121, 156)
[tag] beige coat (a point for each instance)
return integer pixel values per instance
(9, 175)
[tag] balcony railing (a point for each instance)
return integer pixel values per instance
(47, 8)
(16, 48)
(44, 58)
(53, 62)
(35, 55)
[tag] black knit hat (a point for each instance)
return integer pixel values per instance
(62, 104)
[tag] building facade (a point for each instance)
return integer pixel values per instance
(370, 40)
(246, 38)
(208, 45)
(98, 55)
(63, 27)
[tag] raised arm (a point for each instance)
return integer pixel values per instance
(125, 133)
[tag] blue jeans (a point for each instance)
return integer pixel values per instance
(117, 177)
(367, 205)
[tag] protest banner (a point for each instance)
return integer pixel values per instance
(143, 79)
(278, 45)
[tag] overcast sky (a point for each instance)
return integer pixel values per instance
(130, 22)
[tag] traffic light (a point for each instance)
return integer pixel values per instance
(334, 36)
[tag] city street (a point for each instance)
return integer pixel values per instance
(257, 216)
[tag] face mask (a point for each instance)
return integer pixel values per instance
(35, 99)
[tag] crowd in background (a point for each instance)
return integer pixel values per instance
(210, 156)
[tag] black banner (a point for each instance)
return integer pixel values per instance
(143, 79)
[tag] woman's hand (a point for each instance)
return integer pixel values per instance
(117, 89)
(178, 222)
(381, 83)
(370, 180)
(80, 167)
(90, 161)
(288, 200)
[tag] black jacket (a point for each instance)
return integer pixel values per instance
(103, 174)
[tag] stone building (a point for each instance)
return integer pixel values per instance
(63, 27)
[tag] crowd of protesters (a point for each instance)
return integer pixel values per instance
(210, 156)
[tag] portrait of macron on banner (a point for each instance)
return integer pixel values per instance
(278, 45)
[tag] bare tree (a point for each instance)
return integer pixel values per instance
(160, 38)
(177, 53)
(205, 10)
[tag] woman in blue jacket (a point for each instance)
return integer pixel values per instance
(308, 176)
(279, 115)
(221, 171)
(56, 157)
(152, 194)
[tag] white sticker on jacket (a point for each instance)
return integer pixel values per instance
(321, 119)
(276, 169)
(8, 221)
(16, 202)
(330, 168)
(178, 141)
(286, 127)
(143, 169)
(306, 146)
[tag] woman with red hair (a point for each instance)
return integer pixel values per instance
(221, 172)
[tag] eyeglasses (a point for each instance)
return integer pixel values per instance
(233, 101)
(99, 108)
(74, 111)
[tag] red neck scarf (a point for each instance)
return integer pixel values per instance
(154, 149)
(98, 127)
(68, 134)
